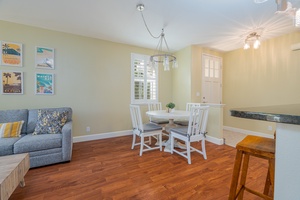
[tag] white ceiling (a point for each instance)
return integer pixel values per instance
(217, 24)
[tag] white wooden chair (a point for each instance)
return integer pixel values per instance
(188, 108)
(153, 107)
(144, 130)
(195, 132)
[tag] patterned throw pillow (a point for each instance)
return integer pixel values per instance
(50, 122)
(11, 129)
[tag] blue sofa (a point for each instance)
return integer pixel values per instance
(43, 149)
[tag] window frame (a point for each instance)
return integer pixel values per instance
(146, 59)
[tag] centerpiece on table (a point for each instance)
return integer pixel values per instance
(170, 106)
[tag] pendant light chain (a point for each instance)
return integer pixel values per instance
(156, 37)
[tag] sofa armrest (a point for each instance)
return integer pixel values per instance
(67, 141)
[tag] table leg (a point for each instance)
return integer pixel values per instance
(167, 143)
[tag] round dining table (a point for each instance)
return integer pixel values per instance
(171, 116)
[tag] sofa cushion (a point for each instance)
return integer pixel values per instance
(11, 129)
(33, 116)
(50, 122)
(13, 116)
(31, 143)
(7, 146)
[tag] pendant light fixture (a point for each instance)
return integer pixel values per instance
(160, 57)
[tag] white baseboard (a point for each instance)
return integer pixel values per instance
(214, 140)
(100, 136)
(247, 132)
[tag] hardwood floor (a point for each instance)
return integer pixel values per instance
(109, 169)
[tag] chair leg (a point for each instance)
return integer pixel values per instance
(203, 149)
(188, 151)
(142, 145)
(235, 175)
(160, 142)
(133, 141)
(149, 140)
(172, 143)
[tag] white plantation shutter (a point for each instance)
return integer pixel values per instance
(143, 80)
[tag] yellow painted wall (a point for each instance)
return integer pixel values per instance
(92, 76)
(196, 74)
(215, 121)
(181, 80)
(269, 75)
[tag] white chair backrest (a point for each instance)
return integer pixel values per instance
(198, 120)
(154, 106)
(136, 117)
(190, 105)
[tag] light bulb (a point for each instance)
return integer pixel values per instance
(175, 65)
(256, 44)
(167, 60)
(246, 46)
(297, 18)
(166, 63)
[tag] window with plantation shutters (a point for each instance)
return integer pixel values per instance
(143, 80)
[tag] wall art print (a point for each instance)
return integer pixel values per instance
(44, 83)
(44, 57)
(11, 82)
(11, 54)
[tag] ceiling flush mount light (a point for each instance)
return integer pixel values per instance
(254, 39)
(159, 57)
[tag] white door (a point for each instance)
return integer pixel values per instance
(211, 79)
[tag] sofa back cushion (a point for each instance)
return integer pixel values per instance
(13, 116)
(33, 116)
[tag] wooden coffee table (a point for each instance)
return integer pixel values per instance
(12, 171)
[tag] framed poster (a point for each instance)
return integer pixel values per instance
(11, 82)
(44, 83)
(44, 57)
(11, 54)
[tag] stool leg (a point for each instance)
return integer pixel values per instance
(243, 176)
(272, 174)
(235, 174)
(270, 178)
(268, 183)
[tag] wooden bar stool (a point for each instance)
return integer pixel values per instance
(252, 146)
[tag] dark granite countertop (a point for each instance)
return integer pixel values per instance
(288, 114)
